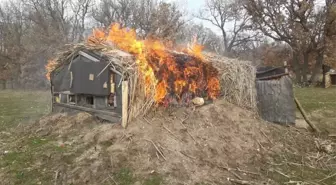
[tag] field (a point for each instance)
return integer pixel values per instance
(32, 154)
(320, 104)
(19, 107)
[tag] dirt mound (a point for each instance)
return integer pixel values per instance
(209, 144)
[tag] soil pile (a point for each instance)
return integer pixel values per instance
(218, 143)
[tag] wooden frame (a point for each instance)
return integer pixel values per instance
(92, 110)
(124, 104)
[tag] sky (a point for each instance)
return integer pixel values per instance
(189, 4)
(193, 7)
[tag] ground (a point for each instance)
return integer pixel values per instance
(213, 144)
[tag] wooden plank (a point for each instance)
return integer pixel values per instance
(52, 98)
(269, 70)
(63, 92)
(88, 56)
(273, 76)
(117, 72)
(124, 103)
(304, 114)
(86, 109)
(109, 118)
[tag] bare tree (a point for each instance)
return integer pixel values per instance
(49, 19)
(148, 17)
(11, 39)
(112, 11)
(31, 30)
(81, 9)
(158, 19)
(299, 23)
(330, 33)
(224, 14)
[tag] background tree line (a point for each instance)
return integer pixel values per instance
(264, 31)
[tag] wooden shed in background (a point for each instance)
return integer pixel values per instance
(329, 76)
(275, 96)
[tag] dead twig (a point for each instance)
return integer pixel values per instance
(192, 137)
(248, 172)
(231, 171)
(111, 177)
(183, 153)
(328, 177)
(261, 146)
(171, 133)
(186, 118)
(293, 182)
(56, 177)
(242, 182)
(266, 136)
(147, 120)
(157, 149)
(279, 172)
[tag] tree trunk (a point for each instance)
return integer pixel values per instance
(2, 84)
(297, 68)
(305, 67)
(317, 67)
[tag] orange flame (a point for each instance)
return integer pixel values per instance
(51, 65)
(161, 68)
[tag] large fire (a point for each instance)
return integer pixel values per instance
(175, 75)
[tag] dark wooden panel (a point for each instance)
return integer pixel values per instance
(276, 100)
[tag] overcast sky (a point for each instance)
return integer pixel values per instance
(191, 7)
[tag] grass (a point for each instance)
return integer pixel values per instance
(313, 99)
(23, 154)
(32, 159)
(18, 106)
(125, 176)
(25, 164)
(320, 104)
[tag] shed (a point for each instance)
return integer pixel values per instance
(329, 76)
(86, 82)
(275, 96)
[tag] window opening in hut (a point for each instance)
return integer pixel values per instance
(72, 99)
(57, 98)
(111, 100)
(89, 100)
(63, 98)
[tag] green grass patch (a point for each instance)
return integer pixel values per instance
(320, 104)
(124, 176)
(154, 179)
(313, 99)
(20, 106)
(30, 162)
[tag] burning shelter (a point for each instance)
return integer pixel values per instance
(116, 76)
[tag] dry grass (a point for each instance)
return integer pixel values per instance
(237, 80)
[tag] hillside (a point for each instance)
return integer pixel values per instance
(217, 143)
